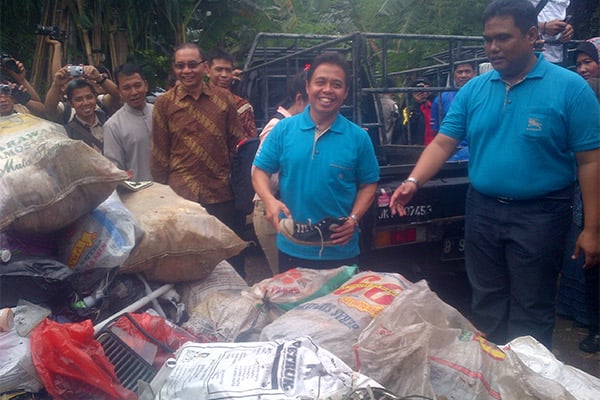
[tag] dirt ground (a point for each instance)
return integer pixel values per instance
(453, 288)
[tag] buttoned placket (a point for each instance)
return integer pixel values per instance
(318, 134)
(508, 86)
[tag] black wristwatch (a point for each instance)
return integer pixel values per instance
(103, 79)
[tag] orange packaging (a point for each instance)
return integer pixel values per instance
(7, 319)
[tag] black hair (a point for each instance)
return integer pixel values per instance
(188, 45)
(522, 12)
(218, 54)
(78, 84)
(296, 84)
(330, 57)
(128, 70)
(469, 63)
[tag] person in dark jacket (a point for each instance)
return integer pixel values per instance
(416, 117)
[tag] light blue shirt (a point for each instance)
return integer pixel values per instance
(522, 139)
(437, 114)
(318, 177)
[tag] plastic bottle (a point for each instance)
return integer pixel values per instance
(5, 254)
(383, 199)
(89, 301)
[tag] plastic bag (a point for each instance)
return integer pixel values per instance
(277, 370)
(16, 367)
(40, 281)
(103, 238)
(72, 365)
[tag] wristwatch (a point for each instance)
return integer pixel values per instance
(103, 78)
(354, 218)
(413, 180)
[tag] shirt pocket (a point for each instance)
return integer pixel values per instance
(341, 172)
(541, 125)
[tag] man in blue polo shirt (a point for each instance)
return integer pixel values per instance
(463, 73)
(532, 128)
(327, 174)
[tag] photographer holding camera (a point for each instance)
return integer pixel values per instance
(23, 94)
(7, 103)
(80, 114)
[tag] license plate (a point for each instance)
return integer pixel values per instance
(453, 248)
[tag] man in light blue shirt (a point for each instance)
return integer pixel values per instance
(532, 127)
(328, 173)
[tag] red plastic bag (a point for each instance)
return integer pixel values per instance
(72, 365)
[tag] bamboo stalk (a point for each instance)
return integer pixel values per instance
(84, 34)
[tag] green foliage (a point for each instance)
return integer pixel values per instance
(441, 17)
(153, 28)
(17, 26)
(155, 66)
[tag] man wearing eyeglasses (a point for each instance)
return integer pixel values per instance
(195, 131)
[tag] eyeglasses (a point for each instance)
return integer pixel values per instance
(190, 64)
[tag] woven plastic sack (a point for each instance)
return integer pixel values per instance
(182, 241)
(228, 317)
(291, 288)
(47, 180)
(336, 320)
(224, 278)
(420, 345)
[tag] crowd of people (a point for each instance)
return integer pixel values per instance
(534, 147)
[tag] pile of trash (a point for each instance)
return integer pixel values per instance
(118, 290)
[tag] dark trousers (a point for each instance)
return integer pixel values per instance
(592, 296)
(513, 254)
(287, 262)
(236, 221)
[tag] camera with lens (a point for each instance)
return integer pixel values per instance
(52, 31)
(75, 70)
(9, 63)
(19, 96)
(5, 89)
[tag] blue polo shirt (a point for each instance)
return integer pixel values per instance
(522, 139)
(318, 177)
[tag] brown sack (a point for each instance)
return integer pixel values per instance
(47, 180)
(182, 241)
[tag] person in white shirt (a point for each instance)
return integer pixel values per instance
(552, 26)
(266, 233)
(128, 133)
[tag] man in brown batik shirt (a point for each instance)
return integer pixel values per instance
(195, 131)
